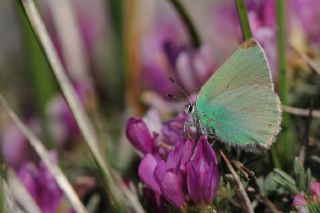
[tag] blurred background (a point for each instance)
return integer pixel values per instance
(118, 55)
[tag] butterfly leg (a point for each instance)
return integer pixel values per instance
(186, 128)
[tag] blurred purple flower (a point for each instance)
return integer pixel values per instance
(315, 189)
(203, 174)
(190, 67)
(14, 147)
(172, 55)
(62, 125)
(262, 20)
(299, 200)
(307, 12)
(41, 185)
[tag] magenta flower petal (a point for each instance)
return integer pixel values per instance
(299, 200)
(180, 155)
(194, 185)
(172, 130)
(203, 174)
(139, 135)
(146, 172)
(171, 188)
(315, 189)
(41, 185)
(28, 175)
(160, 170)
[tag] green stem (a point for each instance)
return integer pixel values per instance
(245, 26)
(281, 51)
(274, 157)
(195, 38)
(282, 76)
(117, 77)
(43, 84)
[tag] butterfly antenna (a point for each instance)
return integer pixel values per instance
(174, 97)
(180, 88)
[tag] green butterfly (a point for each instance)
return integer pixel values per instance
(238, 104)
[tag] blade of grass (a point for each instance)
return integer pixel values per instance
(43, 154)
(9, 203)
(284, 141)
(74, 103)
(194, 36)
(300, 112)
(244, 22)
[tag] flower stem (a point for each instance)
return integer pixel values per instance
(245, 26)
(117, 78)
(287, 148)
(194, 36)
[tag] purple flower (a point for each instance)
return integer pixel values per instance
(190, 67)
(299, 200)
(62, 125)
(261, 15)
(173, 55)
(167, 177)
(172, 130)
(14, 147)
(203, 174)
(41, 185)
(307, 13)
(186, 171)
(315, 189)
(139, 135)
(149, 135)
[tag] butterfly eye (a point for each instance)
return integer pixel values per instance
(190, 109)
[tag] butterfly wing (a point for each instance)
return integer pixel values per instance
(238, 102)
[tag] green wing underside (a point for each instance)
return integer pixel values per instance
(238, 101)
(239, 117)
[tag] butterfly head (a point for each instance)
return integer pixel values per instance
(190, 109)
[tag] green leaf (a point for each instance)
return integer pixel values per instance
(285, 180)
(308, 180)
(314, 208)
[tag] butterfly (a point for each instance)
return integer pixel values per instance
(238, 105)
